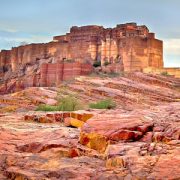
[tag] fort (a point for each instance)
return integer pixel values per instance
(130, 44)
(128, 47)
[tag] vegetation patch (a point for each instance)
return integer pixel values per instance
(103, 104)
(106, 63)
(66, 102)
(97, 64)
(45, 107)
(69, 103)
(165, 73)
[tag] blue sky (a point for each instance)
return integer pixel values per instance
(39, 20)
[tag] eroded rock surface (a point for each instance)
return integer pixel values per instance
(139, 139)
(52, 151)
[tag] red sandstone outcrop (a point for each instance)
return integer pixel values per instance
(52, 151)
(128, 91)
(139, 139)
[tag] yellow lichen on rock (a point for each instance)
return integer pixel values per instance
(85, 117)
(76, 123)
(10, 108)
(69, 121)
(115, 162)
(94, 141)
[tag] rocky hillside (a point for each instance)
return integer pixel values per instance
(129, 91)
(138, 139)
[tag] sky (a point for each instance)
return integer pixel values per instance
(35, 21)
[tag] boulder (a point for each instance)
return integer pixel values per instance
(114, 128)
(73, 122)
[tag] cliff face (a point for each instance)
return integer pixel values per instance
(129, 46)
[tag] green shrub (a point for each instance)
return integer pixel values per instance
(114, 74)
(69, 103)
(69, 60)
(103, 104)
(106, 63)
(164, 73)
(97, 63)
(45, 107)
(65, 102)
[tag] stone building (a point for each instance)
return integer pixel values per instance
(126, 47)
(132, 45)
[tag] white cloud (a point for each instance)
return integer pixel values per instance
(172, 46)
(172, 52)
(10, 39)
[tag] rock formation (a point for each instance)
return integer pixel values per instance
(139, 139)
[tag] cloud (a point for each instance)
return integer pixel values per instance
(172, 46)
(172, 52)
(12, 38)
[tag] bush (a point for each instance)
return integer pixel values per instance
(164, 73)
(106, 63)
(69, 60)
(69, 103)
(103, 104)
(114, 74)
(97, 63)
(65, 102)
(44, 107)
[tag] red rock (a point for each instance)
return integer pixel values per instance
(58, 117)
(115, 162)
(158, 136)
(144, 128)
(50, 118)
(66, 114)
(39, 151)
(28, 118)
(158, 129)
(73, 153)
(114, 127)
(67, 121)
(73, 122)
(166, 167)
(125, 135)
(147, 137)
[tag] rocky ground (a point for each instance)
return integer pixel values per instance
(139, 139)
